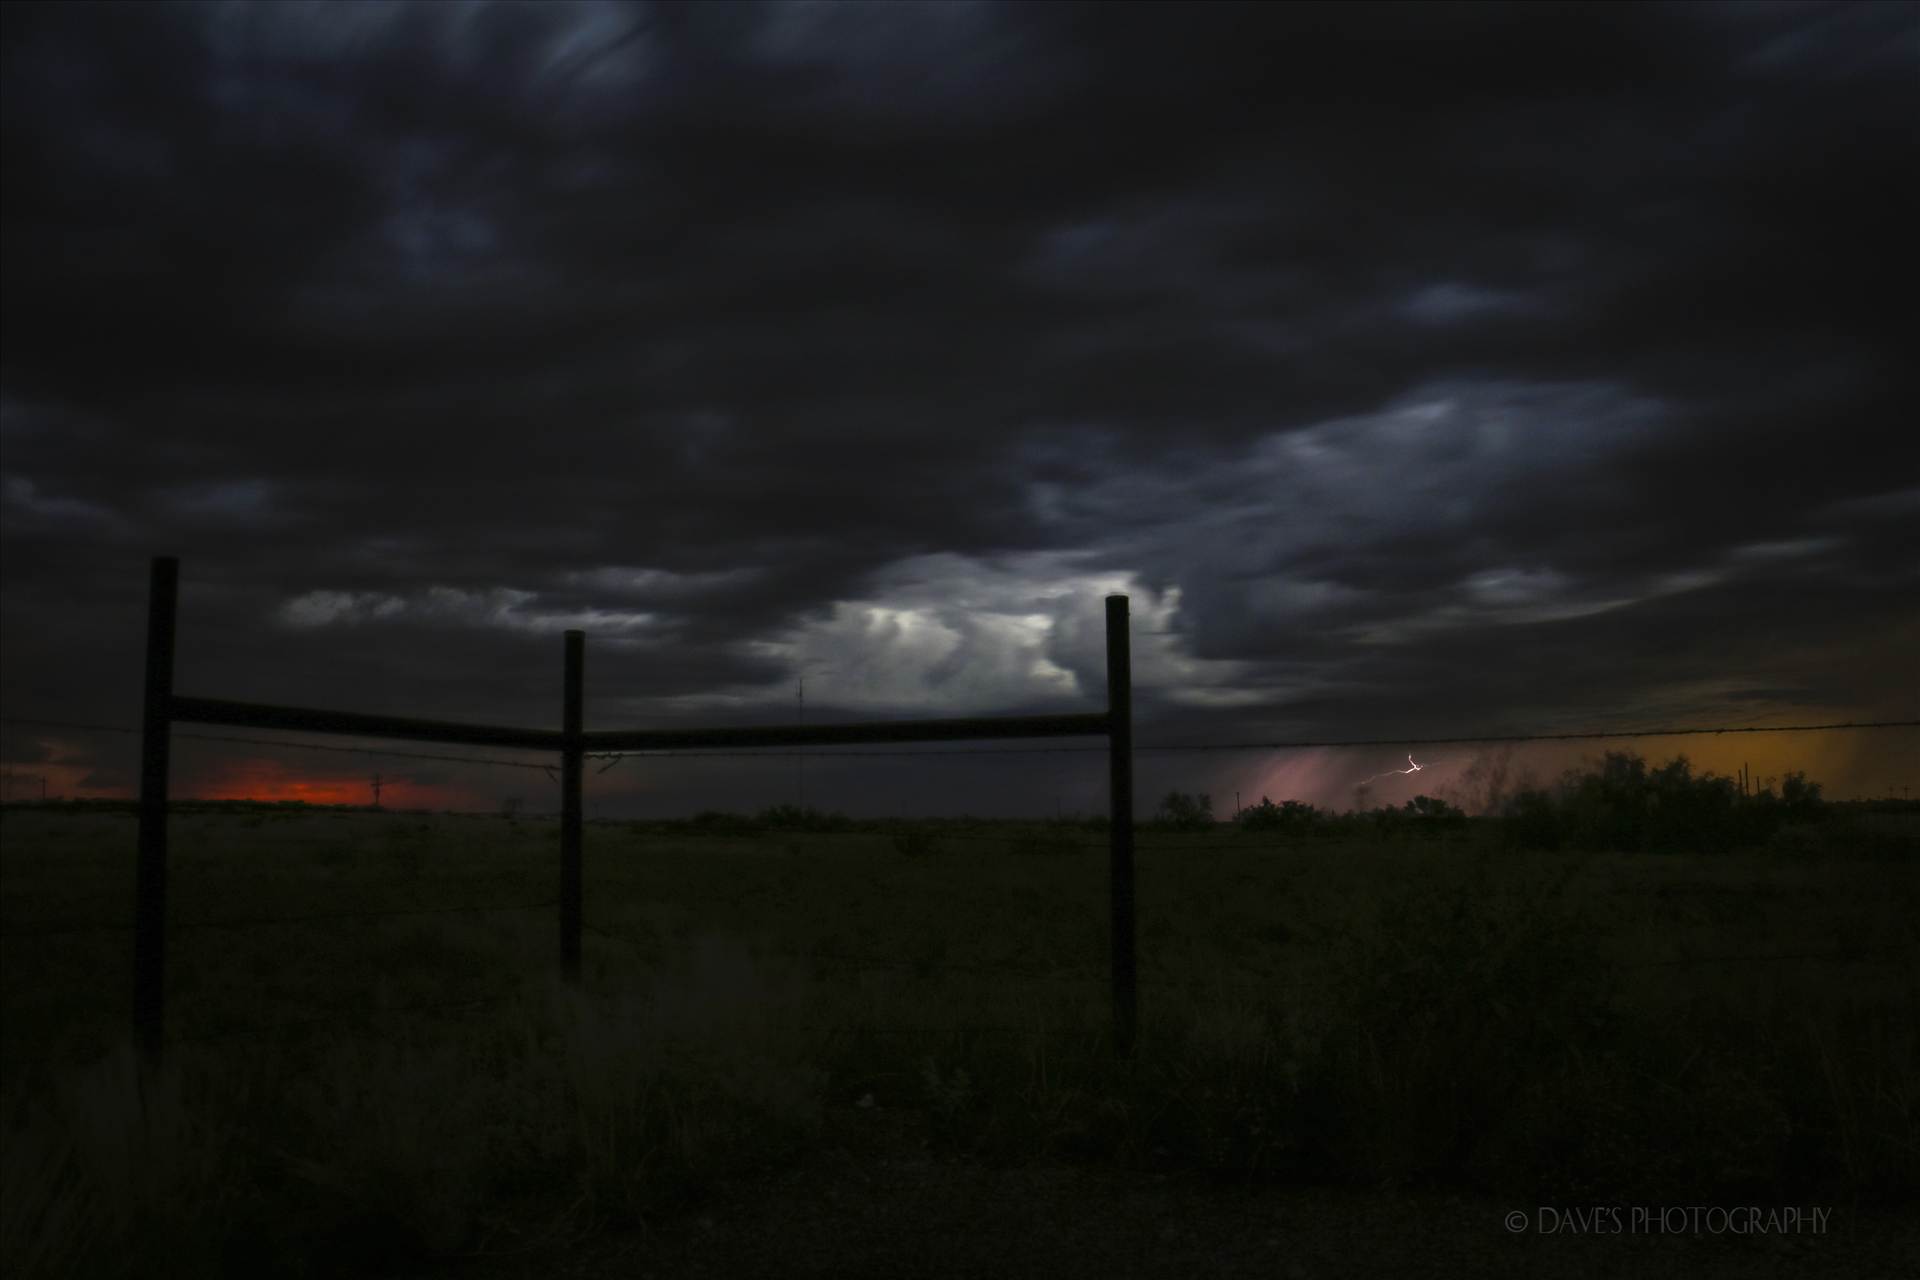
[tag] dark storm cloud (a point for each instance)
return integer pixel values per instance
(1415, 367)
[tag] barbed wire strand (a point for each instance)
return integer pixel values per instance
(284, 742)
(1290, 745)
(615, 757)
(922, 968)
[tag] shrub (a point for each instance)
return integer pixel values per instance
(716, 822)
(793, 817)
(1289, 816)
(1184, 812)
(1621, 804)
(1431, 817)
(1532, 820)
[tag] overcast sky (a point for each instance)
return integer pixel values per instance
(1416, 371)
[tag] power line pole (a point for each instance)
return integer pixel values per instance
(376, 790)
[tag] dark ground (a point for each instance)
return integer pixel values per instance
(872, 1215)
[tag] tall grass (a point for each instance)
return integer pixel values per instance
(1452, 1015)
(394, 1142)
(120, 1159)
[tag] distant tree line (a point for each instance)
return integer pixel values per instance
(779, 817)
(789, 818)
(1421, 816)
(1622, 804)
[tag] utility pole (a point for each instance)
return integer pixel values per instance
(376, 790)
(800, 759)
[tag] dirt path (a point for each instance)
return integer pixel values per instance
(877, 1218)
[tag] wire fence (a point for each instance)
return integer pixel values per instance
(1041, 834)
(1144, 748)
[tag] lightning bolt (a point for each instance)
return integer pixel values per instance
(1412, 767)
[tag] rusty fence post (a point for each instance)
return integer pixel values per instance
(1120, 836)
(570, 761)
(150, 875)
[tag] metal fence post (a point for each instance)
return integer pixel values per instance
(150, 877)
(1120, 787)
(570, 761)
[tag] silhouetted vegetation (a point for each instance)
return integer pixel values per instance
(87, 804)
(1622, 804)
(1291, 815)
(1354, 1011)
(1423, 816)
(779, 817)
(1183, 812)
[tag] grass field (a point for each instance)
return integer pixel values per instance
(372, 1065)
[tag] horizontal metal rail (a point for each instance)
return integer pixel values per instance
(260, 715)
(825, 735)
(163, 709)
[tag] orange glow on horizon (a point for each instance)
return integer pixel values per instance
(62, 779)
(271, 781)
(1847, 765)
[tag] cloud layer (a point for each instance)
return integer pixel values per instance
(1414, 369)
